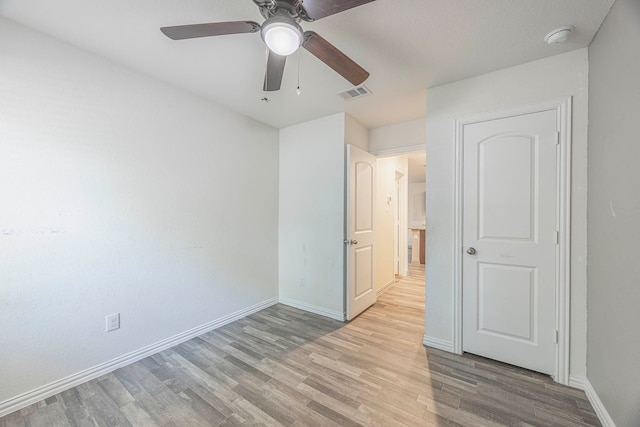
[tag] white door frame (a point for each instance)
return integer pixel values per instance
(563, 259)
(396, 226)
(400, 210)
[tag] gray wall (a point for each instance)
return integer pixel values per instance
(119, 193)
(613, 337)
(311, 216)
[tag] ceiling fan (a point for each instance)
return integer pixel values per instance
(283, 35)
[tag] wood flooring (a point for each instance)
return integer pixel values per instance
(283, 366)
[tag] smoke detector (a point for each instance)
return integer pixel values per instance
(559, 35)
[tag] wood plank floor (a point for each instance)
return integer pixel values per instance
(283, 366)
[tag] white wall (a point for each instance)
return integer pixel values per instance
(397, 136)
(355, 133)
(384, 217)
(551, 78)
(416, 204)
(120, 194)
(311, 215)
(614, 214)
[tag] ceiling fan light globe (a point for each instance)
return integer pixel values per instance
(282, 38)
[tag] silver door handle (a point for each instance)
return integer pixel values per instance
(471, 251)
(350, 242)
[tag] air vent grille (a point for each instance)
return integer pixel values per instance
(355, 92)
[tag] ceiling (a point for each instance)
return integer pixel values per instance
(406, 45)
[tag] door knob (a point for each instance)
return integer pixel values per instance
(471, 251)
(350, 242)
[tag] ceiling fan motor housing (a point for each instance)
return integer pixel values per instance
(291, 9)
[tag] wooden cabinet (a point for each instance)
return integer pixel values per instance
(417, 245)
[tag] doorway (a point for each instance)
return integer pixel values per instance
(417, 206)
(397, 175)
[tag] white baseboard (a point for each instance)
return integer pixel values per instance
(584, 384)
(336, 315)
(385, 288)
(58, 386)
(438, 343)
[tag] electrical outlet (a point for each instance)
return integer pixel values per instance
(113, 322)
(302, 281)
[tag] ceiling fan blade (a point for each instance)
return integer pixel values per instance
(317, 9)
(330, 55)
(275, 70)
(181, 32)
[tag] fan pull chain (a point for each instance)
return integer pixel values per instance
(266, 78)
(298, 89)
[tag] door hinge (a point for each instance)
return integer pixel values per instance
(556, 336)
(557, 237)
(557, 138)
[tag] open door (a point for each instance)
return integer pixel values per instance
(359, 237)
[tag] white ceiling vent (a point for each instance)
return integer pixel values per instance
(355, 92)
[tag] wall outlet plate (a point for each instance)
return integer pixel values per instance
(113, 322)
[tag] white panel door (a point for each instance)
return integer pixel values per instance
(510, 240)
(359, 241)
